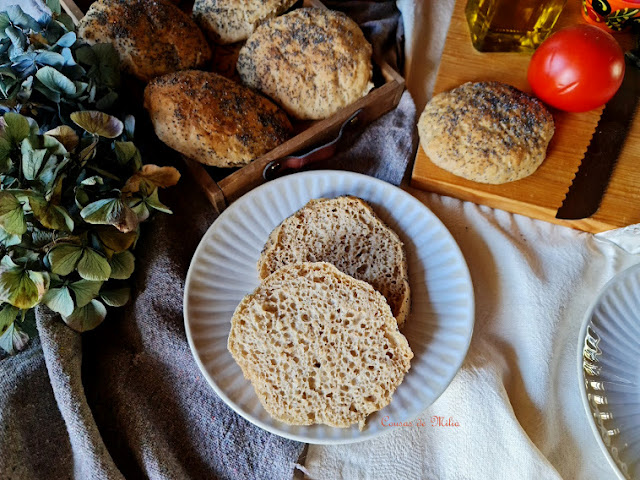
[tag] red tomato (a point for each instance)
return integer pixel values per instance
(577, 68)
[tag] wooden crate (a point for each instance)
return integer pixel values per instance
(223, 186)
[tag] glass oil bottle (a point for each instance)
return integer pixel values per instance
(511, 25)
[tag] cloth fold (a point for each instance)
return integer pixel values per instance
(627, 238)
(516, 397)
(157, 414)
(32, 431)
(62, 349)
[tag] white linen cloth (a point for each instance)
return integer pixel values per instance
(516, 398)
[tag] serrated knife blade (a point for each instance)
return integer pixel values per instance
(592, 178)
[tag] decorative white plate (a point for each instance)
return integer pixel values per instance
(223, 270)
(609, 371)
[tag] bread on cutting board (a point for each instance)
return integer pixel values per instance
(488, 132)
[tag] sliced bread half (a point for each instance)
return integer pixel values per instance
(319, 346)
(345, 232)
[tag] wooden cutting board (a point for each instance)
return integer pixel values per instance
(541, 194)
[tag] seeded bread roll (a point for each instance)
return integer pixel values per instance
(311, 61)
(152, 37)
(212, 119)
(487, 132)
(345, 232)
(229, 21)
(319, 346)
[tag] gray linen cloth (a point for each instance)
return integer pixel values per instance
(127, 399)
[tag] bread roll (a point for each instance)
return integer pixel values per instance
(212, 119)
(152, 37)
(229, 21)
(345, 232)
(319, 346)
(487, 132)
(311, 61)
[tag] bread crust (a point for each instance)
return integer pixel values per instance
(230, 21)
(346, 232)
(212, 119)
(488, 132)
(152, 37)
(311, 61)
(318, 346)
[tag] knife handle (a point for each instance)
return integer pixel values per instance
(293, 163)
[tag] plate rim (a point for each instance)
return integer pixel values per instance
(586, 321)
(304, 438)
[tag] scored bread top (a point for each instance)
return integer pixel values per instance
(488, 132)
(212, 119)
(229, 21)
(311, 61)
(152, 37)
(319, 346)
(345, 232)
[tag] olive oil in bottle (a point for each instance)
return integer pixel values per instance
(511, 25)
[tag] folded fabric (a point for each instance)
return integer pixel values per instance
(516, 398)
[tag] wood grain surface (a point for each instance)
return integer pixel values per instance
(541, 194)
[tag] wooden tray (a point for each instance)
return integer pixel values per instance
(223, 186)
(540, 195)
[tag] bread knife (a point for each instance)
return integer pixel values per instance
(592, 178)
(292, 163)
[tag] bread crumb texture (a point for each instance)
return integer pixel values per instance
(212, 119)
(311, 61)
(152, 37)
(229, 21)
(346, 232)
(488, 132)
(319, 346)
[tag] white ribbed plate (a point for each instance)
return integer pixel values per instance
(609, 371)
(223, 270)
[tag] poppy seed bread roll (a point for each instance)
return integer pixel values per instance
(152, 37)
(212, 119)
(310, 61)
(230, 21)
(319, 346)
(346, 232)
(488, 132)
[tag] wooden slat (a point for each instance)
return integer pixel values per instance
(72, 10)
(210, 188)
(374, 105)
(539, 195)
